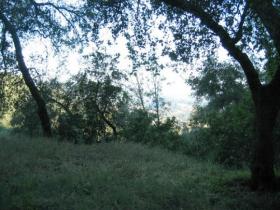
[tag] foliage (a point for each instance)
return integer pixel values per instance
(220, 84)
(10, 89)
(222, 125)
(194, 37)
(62, 23)
(80, 109)
(24, 119)
(142, 127)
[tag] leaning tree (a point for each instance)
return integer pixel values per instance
(250, 31)
(23, 20)
(63, 23)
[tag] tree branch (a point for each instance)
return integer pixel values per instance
(66, 109)
(239, 32)
(19, 56)
(108, 122)
(42, 111)
(227, 42)
(60, 10)
(4, 46)
(102, 112)
(140, 92)
(270, 17)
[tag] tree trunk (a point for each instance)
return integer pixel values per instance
(107, 121)
(43, 115)
(262, 170)
(42, 111)
(140, 92)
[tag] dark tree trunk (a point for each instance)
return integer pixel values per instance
(43, 114)
(42, 111)
(266, 98)
(262, 170)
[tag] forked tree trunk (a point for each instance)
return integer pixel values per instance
(262, 170)
(42, 111)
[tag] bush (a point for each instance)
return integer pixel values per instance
(25, 118)
(225, 136)
(141, 127)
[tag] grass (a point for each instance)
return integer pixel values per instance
(46, 174)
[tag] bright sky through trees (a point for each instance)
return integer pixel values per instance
(175, 91)
(174, 88)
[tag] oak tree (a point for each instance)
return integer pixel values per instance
(246, 29)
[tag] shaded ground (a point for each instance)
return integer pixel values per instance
(40, 174)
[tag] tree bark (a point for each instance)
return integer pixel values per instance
(42, 111)
(265, 98)
(262, 170)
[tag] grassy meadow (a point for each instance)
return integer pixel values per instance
(46, 174)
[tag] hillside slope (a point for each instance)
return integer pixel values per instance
(45, 174)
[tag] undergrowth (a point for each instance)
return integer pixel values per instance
(46, 174)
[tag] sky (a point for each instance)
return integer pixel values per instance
(175, 91)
